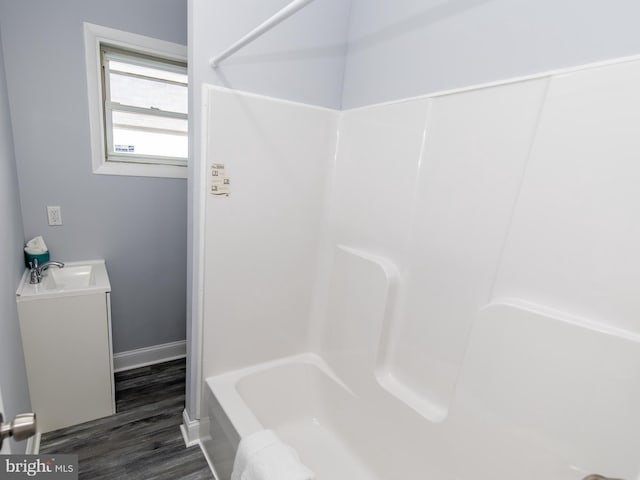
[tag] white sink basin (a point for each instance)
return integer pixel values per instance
(80, 276)
(75, 278)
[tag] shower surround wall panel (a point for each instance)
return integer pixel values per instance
(576, 226)
(550, 392)
(458, 301)
(372, 189)
(262, 240)
(475, 153)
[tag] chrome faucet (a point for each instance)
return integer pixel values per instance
(36, 270)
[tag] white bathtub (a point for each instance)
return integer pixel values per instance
(303, 402)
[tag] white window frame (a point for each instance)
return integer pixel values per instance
(94, 36)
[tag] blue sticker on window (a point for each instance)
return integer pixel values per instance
(125, 148)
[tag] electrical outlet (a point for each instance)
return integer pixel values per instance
(55, 215)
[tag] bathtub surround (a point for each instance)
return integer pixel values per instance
(439, 284)
(394, 50)
(276, 151)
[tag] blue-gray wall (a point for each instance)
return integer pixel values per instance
(302, 59)
(138, 225)
(404, 48)
(13, 377)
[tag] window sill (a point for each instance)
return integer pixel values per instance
(141, 170)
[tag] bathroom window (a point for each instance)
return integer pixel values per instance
(138, 104)
(145, 108)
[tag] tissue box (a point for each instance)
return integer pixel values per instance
(41, 257)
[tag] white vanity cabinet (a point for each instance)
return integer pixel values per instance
(66, 335)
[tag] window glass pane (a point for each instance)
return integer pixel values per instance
(137, 134)
(147, 71)
(145, 93)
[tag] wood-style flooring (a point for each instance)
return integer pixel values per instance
(142, 441)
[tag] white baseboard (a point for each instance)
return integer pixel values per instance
(193, 433)
(190, 430)
(149, 355)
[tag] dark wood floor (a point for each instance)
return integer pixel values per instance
(142, 441)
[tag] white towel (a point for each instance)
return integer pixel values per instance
(262, 456)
